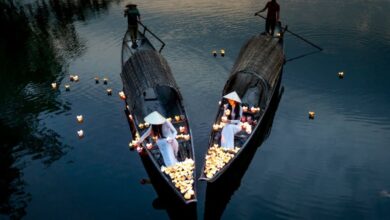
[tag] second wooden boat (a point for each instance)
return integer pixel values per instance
(256, 77)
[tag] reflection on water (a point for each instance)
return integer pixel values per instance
(333, 167)
(36, 42)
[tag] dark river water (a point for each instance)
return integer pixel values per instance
(333, 167)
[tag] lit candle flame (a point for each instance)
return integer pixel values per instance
(80, 133)
(122, 95)
(79, 118)
(54, 85)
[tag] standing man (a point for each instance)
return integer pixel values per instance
(133, 17)
(272, 15)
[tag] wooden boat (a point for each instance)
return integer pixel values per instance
(149, 86)
(256, 77)
(220, 192)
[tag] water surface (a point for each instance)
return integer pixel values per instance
(333, 167)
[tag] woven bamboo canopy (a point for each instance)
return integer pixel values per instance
(145, 71)
(258, 63)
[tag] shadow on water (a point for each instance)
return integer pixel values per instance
(37, 40)
(167, 200)
(219, 193)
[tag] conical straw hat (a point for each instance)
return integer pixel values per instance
(233, 96)
(155, 118)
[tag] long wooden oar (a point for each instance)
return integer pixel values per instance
(296, 35)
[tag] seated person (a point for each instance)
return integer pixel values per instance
(165, 133)
(232, 116)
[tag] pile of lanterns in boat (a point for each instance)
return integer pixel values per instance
(181, 176)
(216, 158)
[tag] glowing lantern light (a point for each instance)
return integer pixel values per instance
(80, 118)
(187, 137)
(96, 80)
(182, 129)
(76, 78)
(311, 115)
(149, 145)
(214, 53)
(109, 91)
(80, 133)
(105, 81)
(54, 85)
(244, 108)
(227, 112)
(224, 118)
(122, 95)
(67, 87)
(147, 124)
(215, 127)
(141, 126)
(71, 78)
(177, 118)
(139, 149)
(222, 52)
(341, 75)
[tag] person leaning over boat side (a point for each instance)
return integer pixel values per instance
(273, 14)
(166, 137)
(133, 17)
(232, 116)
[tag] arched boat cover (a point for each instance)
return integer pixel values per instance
(261, 55)
(144, 70)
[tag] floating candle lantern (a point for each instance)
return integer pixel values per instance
(244, 108)
(105, 81)
(146, 124)
(224, 118)
(141, 126)
(96, 80)
(182, 129)
(139, 149)
(227, 112)
(109, 91)
(187, 137)
(278, 34)
(71, 78)
(311, 115)
(341, 75)
(177, 118)
(76, 78)
(80, 133)
(80, 118)
(215, 127)
(149, 145)
(122, 95)
(54, 85)
(131, 117)
(222, 52)
(67, 87)
(214, 53)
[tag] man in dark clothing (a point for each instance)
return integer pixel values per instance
(133, 17)
(272, 15)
